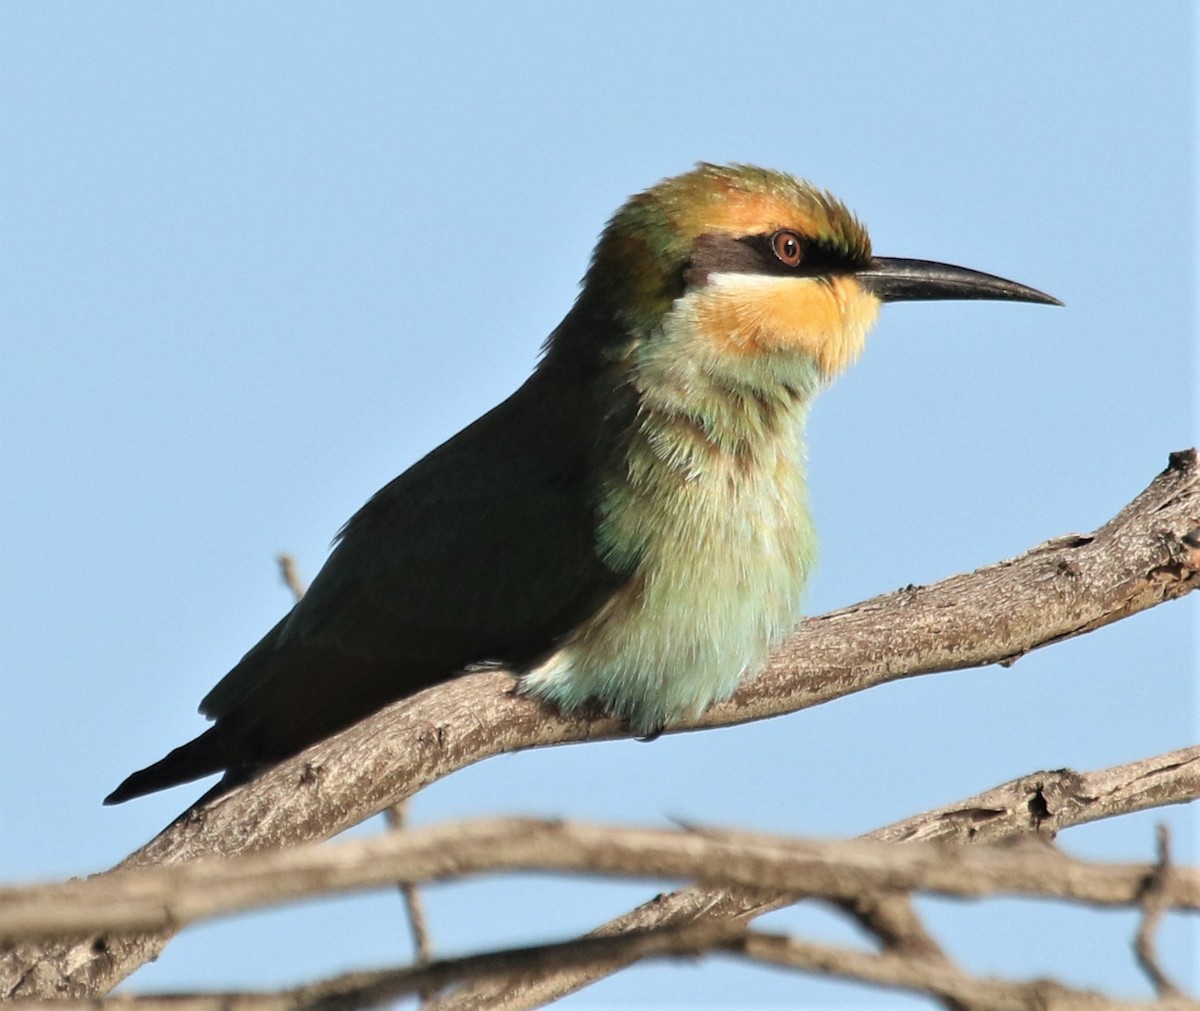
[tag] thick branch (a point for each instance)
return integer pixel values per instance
(171, 897)
(367, 989)
(926, 976)
(1147, 554)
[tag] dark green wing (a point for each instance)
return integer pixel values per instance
(482, 551)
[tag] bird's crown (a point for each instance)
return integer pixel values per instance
(718, 217)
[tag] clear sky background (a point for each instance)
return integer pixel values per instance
(235, 301)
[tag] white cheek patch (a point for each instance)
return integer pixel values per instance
(757, 283)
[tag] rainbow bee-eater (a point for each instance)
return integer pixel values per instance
(629, 528)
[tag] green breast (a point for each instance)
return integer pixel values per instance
(720, 543)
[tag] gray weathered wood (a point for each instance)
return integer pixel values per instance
(1147, 554)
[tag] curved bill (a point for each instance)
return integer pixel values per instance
(895, 279)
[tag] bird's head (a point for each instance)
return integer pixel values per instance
(759, 268)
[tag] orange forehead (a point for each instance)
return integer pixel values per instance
(741, 213)
(748, 201)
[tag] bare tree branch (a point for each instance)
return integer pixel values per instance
(940, 979)
(172, 897)
(422, 944)
(1153, 908)
(1042, 804)
(936, 977)
(370, 989)
(1149, 553)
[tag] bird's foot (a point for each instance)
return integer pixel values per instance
(653, 734)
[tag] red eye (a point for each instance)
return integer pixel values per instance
(786, 245)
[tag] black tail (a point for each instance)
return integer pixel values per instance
(197, 758)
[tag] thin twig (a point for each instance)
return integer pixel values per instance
(938, 978)
(290, 575)
(413, 905)
(1153, 906)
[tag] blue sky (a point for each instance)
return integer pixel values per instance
(234, 303)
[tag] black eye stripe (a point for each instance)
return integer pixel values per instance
(815, 258)
(714, 253)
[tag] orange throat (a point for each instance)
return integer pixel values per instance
(759, 317)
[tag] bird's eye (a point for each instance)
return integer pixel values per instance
(786, 246)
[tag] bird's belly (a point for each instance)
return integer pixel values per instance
(723, 557)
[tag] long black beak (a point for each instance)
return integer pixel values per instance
(892, 279)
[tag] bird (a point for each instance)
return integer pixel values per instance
(629, 529)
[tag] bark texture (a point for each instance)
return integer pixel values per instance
(1147, 554)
